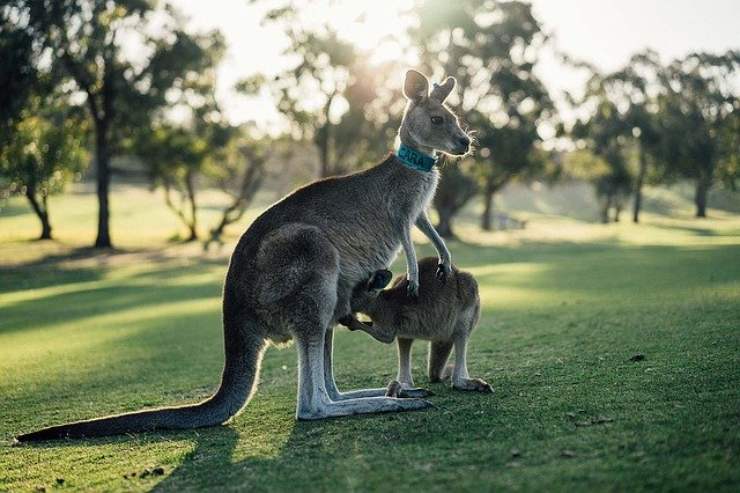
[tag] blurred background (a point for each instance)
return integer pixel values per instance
(598, 213)
(135, 123)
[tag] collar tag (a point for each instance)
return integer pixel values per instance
(411, 158)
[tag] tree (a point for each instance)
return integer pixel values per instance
(18, 71)
(635, 88)
(492, 49)
(603, 134)
(459, 187)
(89, 38)
(178, 153)
(331, 95)
(46, 151)
(698, 119)
(241, 171)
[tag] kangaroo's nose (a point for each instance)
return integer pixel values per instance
(464, 141)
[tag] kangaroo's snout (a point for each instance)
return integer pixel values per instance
(463, 145)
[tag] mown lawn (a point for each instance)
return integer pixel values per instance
(566, 306)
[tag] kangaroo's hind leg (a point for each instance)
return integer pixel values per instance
(299, 291)
(331, 385)
(314, 401)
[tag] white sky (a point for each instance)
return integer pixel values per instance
(603, 32)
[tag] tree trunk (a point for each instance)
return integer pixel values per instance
(605, 209)
(103, 183)
(700, 197)
(617, 211)
(42, 212)
(193, 224)
(323, 140)
(637, 205)
(444, 226)
(486, 222)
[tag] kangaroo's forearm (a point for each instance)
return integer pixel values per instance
(426, 227)
(381, 334)
(412, 267)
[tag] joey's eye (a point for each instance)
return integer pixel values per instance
(437, 120)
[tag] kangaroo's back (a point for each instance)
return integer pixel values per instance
(436, 311)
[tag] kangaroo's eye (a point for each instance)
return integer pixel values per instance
(437, 120)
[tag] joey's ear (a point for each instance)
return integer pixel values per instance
(379, 279)
(441, 91)
(416, 86)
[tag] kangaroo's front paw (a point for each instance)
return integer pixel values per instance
(443, 271)
(473, 384)
(412, 289)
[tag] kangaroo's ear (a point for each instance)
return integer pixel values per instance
(441, 91)
(416, 86)
(379, 279)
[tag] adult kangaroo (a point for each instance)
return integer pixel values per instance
(292, 273)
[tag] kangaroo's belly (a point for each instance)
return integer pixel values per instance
(440, 331)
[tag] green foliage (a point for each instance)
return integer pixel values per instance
(492, 48)
(47, 149)
(122, 93)
(698, 120)
(331, 95)
(698, 117)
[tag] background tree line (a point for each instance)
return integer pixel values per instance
(73, 91)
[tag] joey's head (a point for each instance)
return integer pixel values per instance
(428, 124)
(365, 293)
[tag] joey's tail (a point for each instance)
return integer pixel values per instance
(243, 357)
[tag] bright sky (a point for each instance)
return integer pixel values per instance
(603, 32)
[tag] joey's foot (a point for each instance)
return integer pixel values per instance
(473, 384)
(443, 270)
(396, 389)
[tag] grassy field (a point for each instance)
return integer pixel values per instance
(567, 304)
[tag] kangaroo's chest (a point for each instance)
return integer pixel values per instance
(376, 238)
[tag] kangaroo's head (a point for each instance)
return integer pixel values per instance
(428, 124)
(365, 293)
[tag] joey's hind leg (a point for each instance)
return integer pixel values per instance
(404, 378)
(439, 353)
(460, 378)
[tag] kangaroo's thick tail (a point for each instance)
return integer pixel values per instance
(243, 357)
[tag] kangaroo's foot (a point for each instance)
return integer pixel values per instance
(397, 389)
(365, 405)
(472, 384)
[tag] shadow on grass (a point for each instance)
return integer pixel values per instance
(313, 456)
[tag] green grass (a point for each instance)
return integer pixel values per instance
(566, 304)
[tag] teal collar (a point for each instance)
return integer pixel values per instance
(411, 158)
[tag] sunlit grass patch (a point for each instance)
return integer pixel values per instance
(566, 305)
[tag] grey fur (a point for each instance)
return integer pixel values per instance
(446, 313)
(291, 275)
